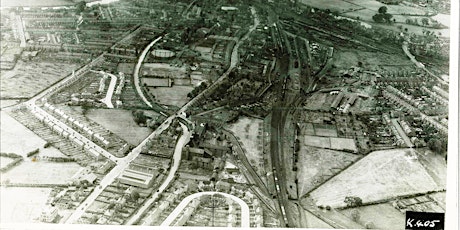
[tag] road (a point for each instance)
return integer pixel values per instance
(245, 215)
(233, 63)
(108, 97)
(183, 140)
(122, 163)
(138, 67)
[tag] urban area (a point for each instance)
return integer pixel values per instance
(224, 113)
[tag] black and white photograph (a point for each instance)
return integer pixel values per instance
(170, 114)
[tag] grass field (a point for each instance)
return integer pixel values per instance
(41, 172)
(121, 123)
(382, 216)
(382, 175)
(176, 95)
(29, 78)
(330, 142)
(316, 165)
(22, 205)
(4, 161)
(16, 138)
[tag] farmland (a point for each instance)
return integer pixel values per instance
(385, 174)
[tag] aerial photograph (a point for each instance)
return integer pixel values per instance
(224, 113)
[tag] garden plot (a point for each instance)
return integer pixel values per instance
(29, 78)
(380, 175)
(22, 205)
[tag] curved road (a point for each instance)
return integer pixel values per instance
(183, 140)
(138, 67)
(245, 215)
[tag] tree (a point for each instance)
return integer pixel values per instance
(387, 17)
(425, 21)
(135, 195)
(353, 201)
(383, 10)
(80, 7)
(378, 18)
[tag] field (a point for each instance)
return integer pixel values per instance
(22, 205)
(41, 172)
(343, 59)
(29, 78)
(314, 222)
(4, 161)
(316, 165)
(10, 3)
(176, 95)
(121, 123)
(382, 216)
(18, 139)
(330, 142)
(247, 130)
(384, 175)
(6, 103)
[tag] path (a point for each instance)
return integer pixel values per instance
(245, 215)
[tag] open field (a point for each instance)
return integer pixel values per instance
(175, 95)
(314, 222)
(121, 123)
(4, 161)
(29, 78)
(385, 174)
(330, 142)
(18, 139)
(316, 165)
(382, 216)
(32, 3)
(7, 103)
(333, 5)
(247, 129)
(343, 59)
(41, 172)
(22, 205)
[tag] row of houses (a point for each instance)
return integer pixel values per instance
(440, 127)
(92, 135)
(66, 132)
